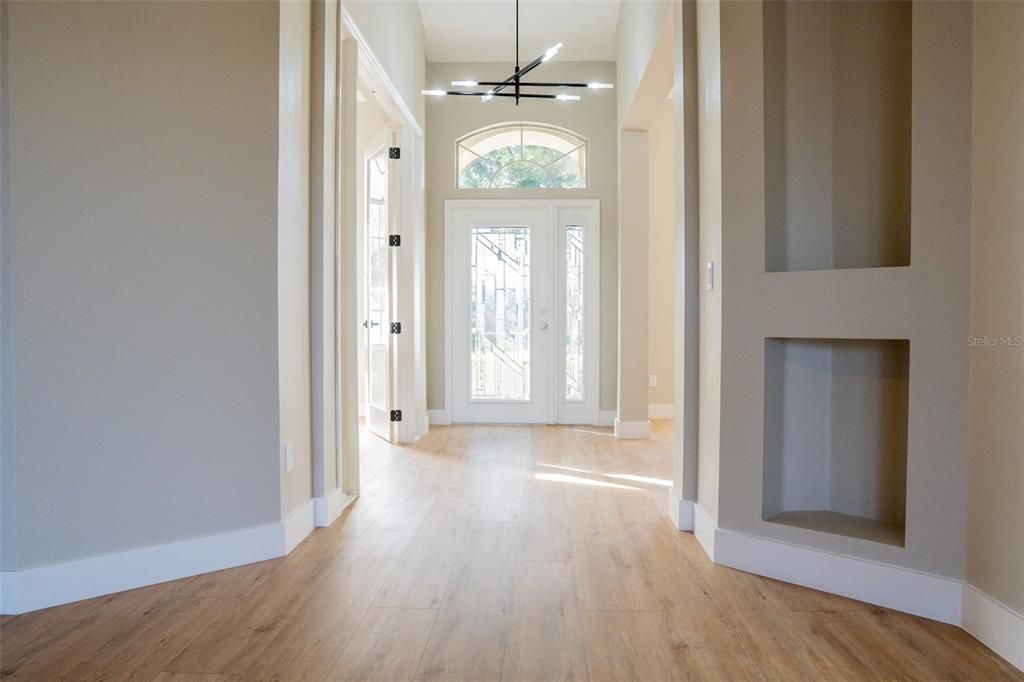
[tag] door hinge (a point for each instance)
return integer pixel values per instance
(394, 152)
(396, 415)
(394, 240)
(396, 327)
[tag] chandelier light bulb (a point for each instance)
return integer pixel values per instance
(552, 51)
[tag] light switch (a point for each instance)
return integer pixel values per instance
(711, 275)
(289, 456)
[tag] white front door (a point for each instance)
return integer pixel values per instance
(523, 304)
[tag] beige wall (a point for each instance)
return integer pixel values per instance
(995, 499)
(140, 274)
(641, 25)
(450, 118)
(661, 257)
(634, 220)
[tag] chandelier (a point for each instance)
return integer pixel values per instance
(513, 85)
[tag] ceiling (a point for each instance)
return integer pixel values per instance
(484, 30)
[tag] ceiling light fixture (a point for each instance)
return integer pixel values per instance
(515, 82)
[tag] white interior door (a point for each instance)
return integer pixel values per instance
(501, 315)
(378, 298)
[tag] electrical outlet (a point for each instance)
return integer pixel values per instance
(652, 380)
(289, 456)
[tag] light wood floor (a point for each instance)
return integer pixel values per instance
(492, 553)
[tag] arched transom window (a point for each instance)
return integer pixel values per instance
(522, 156)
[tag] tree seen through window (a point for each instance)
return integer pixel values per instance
(522, 156)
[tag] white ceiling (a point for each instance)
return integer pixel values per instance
(484, 30)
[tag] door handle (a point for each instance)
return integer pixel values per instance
(543, 325)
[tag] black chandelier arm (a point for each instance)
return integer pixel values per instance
(538, 85)
(531, 95)
(511, 80)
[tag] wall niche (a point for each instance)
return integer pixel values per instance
(837, 123)
(835, 441)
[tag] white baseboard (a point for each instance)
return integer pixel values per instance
(606, 418)
(45, 586)
(661, 411)
(704, 528)
(680, 510)
(632, 430)
(894, 587)
(299, 524)
(329, 507)
(439, 417)
(41, 587)
(994, 624)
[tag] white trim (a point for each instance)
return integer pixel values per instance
(439, 417)
(378, 72)
(632, 430)
(894, 587)
(328, 509)
(994, 624)
(45, 586)
(606, 418)
(298, 525)
(704, 528)
(661, 411)
(680, 510)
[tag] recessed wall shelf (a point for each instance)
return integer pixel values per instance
(835, 436)
(837, 124)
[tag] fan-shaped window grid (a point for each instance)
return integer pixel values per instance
(522, 156)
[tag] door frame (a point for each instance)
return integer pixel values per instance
(560, 411)
(356, 62)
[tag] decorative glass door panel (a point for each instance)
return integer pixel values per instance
(378, 278)
(499, 313)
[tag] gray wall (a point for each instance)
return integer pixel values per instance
(995, 493)
(450, 118)
(140, 274)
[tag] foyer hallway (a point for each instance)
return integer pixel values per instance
(486, 553)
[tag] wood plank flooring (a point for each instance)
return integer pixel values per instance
(492, 553)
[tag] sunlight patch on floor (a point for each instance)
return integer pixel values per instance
(579, 480)
(622, 477)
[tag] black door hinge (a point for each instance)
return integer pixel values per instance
(396, 327)
(394, 240)
(396, 415)
(394, 152)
